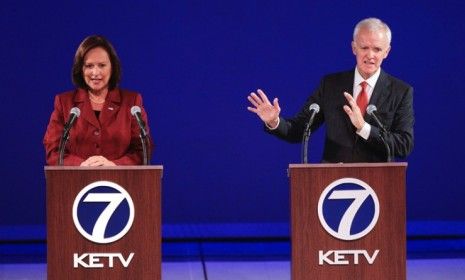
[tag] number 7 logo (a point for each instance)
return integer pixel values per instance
(101, 193)
(352, 193)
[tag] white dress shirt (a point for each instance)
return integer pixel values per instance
(364, 132)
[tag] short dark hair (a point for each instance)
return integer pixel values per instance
(86, 45)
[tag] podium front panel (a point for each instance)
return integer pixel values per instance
(104, 223)
(348, 221)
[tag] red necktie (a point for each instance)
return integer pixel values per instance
(362, 98)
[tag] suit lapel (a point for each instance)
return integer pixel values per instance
(381, 90)
(82, 101)
(347, 85)
(111, 108)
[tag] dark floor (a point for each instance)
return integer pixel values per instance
(239, 259)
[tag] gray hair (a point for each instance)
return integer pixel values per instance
(373, 24)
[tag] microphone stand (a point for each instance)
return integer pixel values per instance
(61, 149)
(74, 114)
(305, 139)
(144, 138)
(145, 150)
(371, 109)
(382, 135)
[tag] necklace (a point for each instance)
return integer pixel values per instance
(95, 100)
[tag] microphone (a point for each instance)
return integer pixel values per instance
(371, 109)
(74, 113)
(136, 112)
(313, 109)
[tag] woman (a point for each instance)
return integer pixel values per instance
(105, 134)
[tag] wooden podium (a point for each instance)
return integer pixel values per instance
(104, 223)
(336, 231)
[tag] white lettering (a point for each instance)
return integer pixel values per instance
(126, 262)
(96, 260)
(339, 257)
(324, 257)
(356, 257)
(110, 262)
(371, 259)
(78, 260)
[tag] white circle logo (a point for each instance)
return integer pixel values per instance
(348, 209)
(103, 212)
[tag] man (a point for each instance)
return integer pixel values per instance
(351, 134)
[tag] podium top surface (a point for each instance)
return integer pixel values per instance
(120, 167)
(345, 165)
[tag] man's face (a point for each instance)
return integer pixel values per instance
(370, 48)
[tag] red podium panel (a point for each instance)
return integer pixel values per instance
(348, 221)
(104, 223)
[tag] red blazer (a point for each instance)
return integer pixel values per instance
(115, 135)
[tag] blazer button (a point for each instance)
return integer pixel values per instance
(97, 133)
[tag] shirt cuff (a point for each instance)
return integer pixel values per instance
(273, 128)
(364, 132)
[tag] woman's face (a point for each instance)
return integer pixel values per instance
(97, 70)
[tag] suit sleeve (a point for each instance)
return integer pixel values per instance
(400, 134)
(134, 155)
(292, 129)
(53, 135)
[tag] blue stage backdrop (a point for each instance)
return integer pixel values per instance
(195, 62)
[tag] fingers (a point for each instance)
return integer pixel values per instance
(348, 110)
(353, 111)
(253, 110)
(94, 161)
(351, 100)
(353, 104)
(267, 112)
(263, 96)
(254, 99)
(259, 99)
(95, 164)
(276, 105)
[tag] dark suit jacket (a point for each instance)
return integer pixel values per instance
(115, 135)
(393, 99)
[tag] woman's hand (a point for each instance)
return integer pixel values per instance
(97, 161)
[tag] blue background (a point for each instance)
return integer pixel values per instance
(195, 62)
